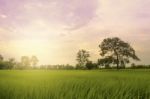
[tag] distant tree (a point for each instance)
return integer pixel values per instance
(11, 63)
(60, 66)
(34, 60)
(25, 61)
(69, 67)
(82, 58)
(43, 67)
(133, 65)
(118, 51)
(3, 64)
(18, 65)
(1, 57)
(90, 65)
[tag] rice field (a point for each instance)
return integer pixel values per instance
(74, 84)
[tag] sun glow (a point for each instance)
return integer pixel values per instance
(32, 46)
(54, 31)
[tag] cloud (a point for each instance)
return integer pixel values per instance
(68, 25)
(71, 14)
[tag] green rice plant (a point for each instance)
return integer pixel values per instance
(74, 84)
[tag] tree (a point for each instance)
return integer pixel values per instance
(82, 58)
(25, 61)
(3, 64)
(34, 60)
(118, 51)
(90, 65)
(11, 63)
(69, 67)
(133, 65)
(105, 61)
(1, 57)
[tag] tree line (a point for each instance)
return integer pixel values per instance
(25, 63)
(114, 52)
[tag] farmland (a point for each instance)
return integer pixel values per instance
(74, 84)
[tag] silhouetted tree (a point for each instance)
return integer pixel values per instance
(82, 58)
(105, 61)
(90, 65)
(118, 51)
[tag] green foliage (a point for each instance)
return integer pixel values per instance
(133, 66)
(105, 62)
(126, 84)
(90, 65)
(3, 65)
(82, 59)
(7, 64)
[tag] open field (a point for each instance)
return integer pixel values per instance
(61, 84)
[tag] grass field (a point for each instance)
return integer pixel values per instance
(61, 84)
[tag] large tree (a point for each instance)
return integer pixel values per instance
(118, 51)
(82, 58)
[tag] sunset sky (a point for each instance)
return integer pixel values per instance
(54, 30)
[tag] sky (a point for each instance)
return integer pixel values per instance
(54, 30)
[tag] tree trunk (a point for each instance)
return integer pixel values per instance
(117, 59)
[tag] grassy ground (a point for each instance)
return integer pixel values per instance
(34, 84)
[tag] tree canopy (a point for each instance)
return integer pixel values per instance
(116, 51)
(82, 58)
